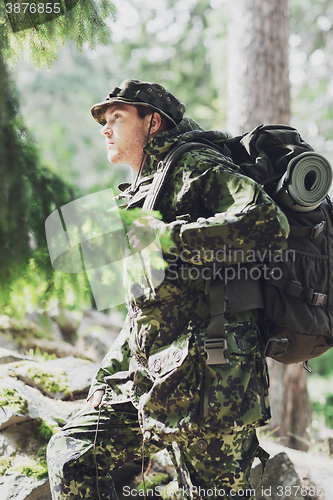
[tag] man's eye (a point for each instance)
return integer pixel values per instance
(117, 116)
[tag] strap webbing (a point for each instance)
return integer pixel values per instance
(296, 289)
(164, 168)
(308, 231)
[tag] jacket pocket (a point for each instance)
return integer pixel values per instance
(174, 395)
(231, 392)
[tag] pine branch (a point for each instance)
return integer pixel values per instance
(39, 44)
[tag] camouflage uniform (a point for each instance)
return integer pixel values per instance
(160, 393)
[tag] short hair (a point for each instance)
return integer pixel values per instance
(144, 111)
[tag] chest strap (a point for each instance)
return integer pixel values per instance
(165, 165)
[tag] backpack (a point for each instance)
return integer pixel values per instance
(296, 301)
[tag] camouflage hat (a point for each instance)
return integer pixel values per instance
(144, 93)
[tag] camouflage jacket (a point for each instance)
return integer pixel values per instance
(158, 360)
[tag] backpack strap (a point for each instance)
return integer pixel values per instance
(215, 344)
(165, 165)
(308, 231)
(296, 289)
(240, 294)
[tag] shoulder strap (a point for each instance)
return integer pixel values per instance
(165, 165)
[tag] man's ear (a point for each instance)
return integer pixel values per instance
(156, 124)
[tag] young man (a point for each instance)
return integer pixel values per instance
(160, 385)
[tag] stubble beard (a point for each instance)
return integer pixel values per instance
(130, 154)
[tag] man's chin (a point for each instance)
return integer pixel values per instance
(113, 158)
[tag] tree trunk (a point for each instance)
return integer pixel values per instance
(259, 92)
(291, 407)
(258, 71)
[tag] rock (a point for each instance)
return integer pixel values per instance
(28, 419)
(7, 341)
(161, 462)
(20, 487)
(45, 323)
(67, 321)
(14, 407)
(31, 336)
(7, 356)
(314, 472)
(28, 402)
(97, 332)
(58, 348)
(279, 476)
(64, 378)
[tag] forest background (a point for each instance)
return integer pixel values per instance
(183, 46)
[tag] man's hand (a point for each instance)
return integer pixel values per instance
(143, 234)
(95, 398)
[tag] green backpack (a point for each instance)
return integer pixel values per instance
(296, 303)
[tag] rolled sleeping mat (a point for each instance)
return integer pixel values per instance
(305, 184)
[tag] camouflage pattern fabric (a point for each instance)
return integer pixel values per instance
(157, 366)
(209, 464)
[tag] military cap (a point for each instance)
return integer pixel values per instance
(144, 93)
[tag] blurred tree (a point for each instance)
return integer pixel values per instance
(258, 70)
(311, 75)
(259, 92)
(29, 192)
(173, 43)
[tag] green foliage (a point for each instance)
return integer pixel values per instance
(323, 365)
(175, 43)
(44, 431)
(32, 468)
(325, 409)
(50, 382)
(10, 397)
(320, 386)
(40, 44)
(321, 395)
(311, 64)
(179, 44)
(5, 463)
(39, 355)
(157, 480)
(28, 194)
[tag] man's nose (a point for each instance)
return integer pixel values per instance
(106, 130)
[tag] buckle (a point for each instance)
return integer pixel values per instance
(317, 229)
(215, 351)
(276, 347)
(160, 166)
(318, 299)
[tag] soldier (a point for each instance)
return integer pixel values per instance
(162, 384)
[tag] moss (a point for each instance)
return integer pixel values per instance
(22, 329)
(50, 382)
(39, 355)
(44, 430)
(10, 397)
(30, 467)
(5, 463)
(29, 457)
(158, 479)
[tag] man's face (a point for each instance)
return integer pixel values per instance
(125, 134)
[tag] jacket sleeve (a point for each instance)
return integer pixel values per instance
(117, 359)
(245, 219)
